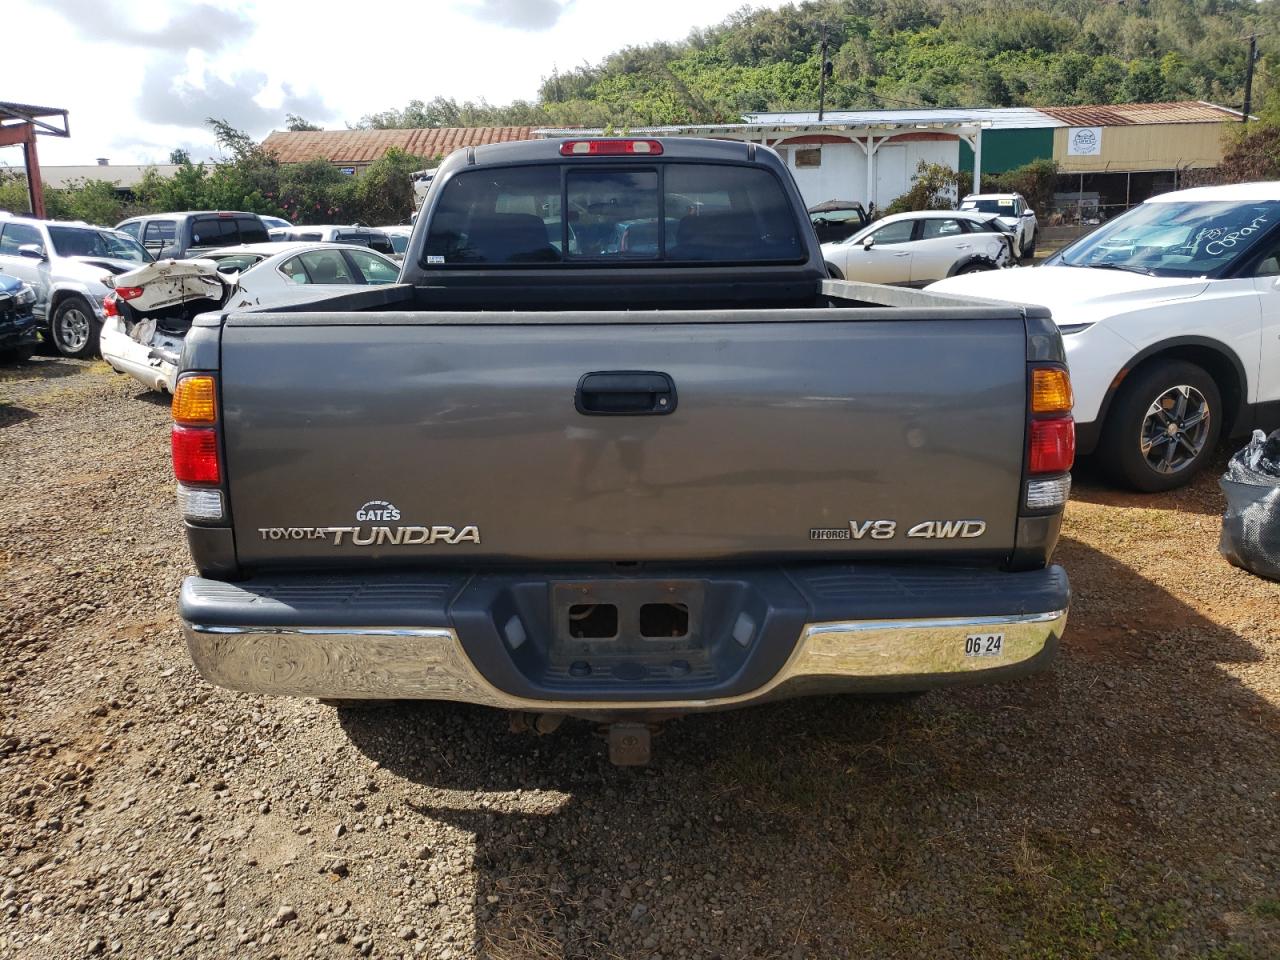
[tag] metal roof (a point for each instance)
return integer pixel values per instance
(989, 117)
(1128, 114)
(121, 174)
(365, 146)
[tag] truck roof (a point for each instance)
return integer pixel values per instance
(673, 148)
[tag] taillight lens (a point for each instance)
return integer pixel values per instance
(109, 305)
(195, 401)
(195, 455)
(128, 293)
(1053, 445)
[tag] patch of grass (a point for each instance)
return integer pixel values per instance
(1266, 909)
(1067, 901)
(1232, 951)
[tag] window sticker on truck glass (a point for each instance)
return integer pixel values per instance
(984, 645)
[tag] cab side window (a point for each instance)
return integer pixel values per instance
(295, 271)
(935, 227)
(898, 232)
(327, 266)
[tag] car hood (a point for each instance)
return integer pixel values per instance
(9, 284)
(1071, 293)
(90, 269)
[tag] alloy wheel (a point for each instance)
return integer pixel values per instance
(72, 329)
(1175, 429)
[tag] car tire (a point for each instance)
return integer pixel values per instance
(1163, 426)
(974, 268)
(74, 328)
(834, 272)
(1029, 249)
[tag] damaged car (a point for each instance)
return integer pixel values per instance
(68, 265)
(17, 323)
(151, 309)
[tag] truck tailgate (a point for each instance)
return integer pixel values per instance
(447, 438)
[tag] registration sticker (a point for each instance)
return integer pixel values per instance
(984, 644)
(434, 258)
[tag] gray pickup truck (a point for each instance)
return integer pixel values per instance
(616, 447)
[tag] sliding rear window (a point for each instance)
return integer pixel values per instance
(656, 213)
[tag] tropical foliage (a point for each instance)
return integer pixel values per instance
(892, 53)
(248, 178)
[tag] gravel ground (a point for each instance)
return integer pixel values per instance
(1124, 803)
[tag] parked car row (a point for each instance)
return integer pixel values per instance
(68, 268)
(922, 246)
(151, 308)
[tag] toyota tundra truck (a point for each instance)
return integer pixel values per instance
(616, 447)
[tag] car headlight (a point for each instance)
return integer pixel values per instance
(26, 295)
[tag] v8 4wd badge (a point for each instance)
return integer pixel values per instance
(888, 530)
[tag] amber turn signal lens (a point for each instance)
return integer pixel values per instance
(1050, 390)
(193, 401)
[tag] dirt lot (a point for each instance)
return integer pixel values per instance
(1125, 803)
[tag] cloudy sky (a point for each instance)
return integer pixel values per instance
(139, 79)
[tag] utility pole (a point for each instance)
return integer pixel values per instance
(826, 70)
(1248, 77)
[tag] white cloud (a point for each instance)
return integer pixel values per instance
(519, 14)
(140, 79)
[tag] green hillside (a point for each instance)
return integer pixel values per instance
(895, 53)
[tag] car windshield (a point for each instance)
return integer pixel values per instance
(1175, 238)
(1001, 205)
(86, 242)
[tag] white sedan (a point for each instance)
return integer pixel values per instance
(919, 247)
(151, 308)
(269, 273)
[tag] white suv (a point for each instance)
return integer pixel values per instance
(1014, 212)
(67, 265)
(1171, 318)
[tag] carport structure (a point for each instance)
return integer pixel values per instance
(19, 124)
(836, 155)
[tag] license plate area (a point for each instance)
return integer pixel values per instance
(627, 618)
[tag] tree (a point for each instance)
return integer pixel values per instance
(296, 123)
(934, 187)
(179, 156)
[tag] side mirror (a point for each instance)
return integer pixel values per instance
(33, 250)
(868, 243)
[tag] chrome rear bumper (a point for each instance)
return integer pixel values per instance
(431, 664)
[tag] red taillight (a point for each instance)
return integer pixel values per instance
(611, 147)
(109, 305)
(128, 293)
(195, 455)
(1053, 445)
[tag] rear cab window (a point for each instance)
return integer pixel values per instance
(664, 213)
(157, 235)
(227, 231)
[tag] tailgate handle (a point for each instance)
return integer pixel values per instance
(623, 393)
